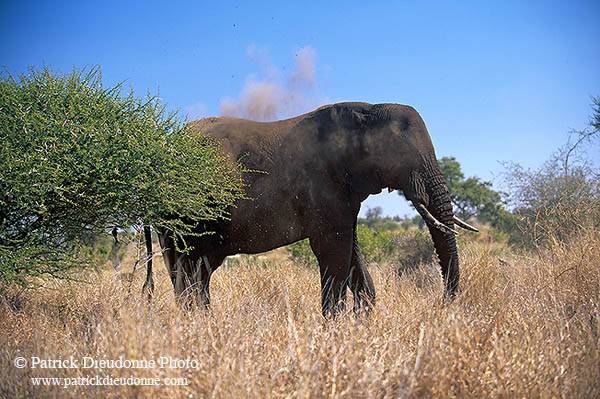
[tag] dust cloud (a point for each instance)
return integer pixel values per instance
(270, 95)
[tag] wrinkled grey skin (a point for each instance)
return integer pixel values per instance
(319, 168)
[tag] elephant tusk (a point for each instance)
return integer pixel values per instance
(428, 217)
(464, 224)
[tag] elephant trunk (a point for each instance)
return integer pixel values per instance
(445, 247)
(433, 202)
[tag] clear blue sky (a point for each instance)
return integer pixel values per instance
(494, 81)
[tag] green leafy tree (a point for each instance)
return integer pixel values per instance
(471, 196)
(374, 213)
(77, 159)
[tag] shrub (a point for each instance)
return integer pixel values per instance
(301, 252)
(414, 249)
(377, 246)
(552, 204)
(77, 159)
(560, 199)
(409, 249)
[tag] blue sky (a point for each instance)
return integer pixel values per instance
(494, 81)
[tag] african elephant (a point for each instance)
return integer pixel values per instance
(315, 170)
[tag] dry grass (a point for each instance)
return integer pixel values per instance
(521, 327)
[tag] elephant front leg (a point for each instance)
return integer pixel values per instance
(333, 252)
(361, 283)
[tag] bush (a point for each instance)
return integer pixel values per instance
(377, 246)
(553, 206)
(562, 198)
(414, 249)
(77, 159)
(301, 252)
(407, 249)
(559, 200)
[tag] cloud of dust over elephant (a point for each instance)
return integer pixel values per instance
(269, 96)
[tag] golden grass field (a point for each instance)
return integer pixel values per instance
(523, 326)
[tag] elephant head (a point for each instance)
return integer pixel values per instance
(394, 150)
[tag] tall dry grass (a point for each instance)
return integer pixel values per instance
(522, 326)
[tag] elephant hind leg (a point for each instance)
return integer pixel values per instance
(175, 262)
(190, 275)
(361, 283)
(182, 279)
(205, 266)
(192, 280)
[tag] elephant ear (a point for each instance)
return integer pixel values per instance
(363, 181)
